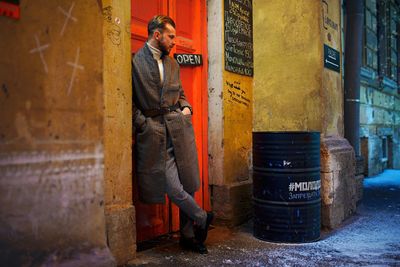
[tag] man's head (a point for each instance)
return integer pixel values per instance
(161, 32)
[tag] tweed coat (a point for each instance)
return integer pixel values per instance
(151, 132)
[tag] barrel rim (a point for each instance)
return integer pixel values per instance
(312, 240)
(286, 132)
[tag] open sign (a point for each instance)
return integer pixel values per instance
(189, 59)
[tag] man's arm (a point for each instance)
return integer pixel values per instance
(138, 118)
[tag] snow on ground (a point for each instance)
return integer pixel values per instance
(371, 237)
(386, 179)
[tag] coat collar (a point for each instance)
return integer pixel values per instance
(153, 63)
(155, 52)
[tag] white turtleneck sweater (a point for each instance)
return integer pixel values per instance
(157, 56)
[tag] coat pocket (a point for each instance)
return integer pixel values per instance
(149, 147)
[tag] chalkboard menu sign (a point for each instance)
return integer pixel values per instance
(238, 18)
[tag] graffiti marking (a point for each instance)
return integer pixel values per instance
(39, 49)
(75, 66)
(68, 17)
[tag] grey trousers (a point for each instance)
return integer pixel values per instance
(189, 211)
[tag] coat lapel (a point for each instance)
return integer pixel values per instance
(152, 66)
(167, 71)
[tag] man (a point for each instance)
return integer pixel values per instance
(165, 149)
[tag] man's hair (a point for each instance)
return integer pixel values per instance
(158, 23)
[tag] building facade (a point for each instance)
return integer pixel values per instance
(379, 91)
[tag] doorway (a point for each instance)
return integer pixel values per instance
(190, 18)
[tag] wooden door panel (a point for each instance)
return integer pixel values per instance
(186, 14)
(185, 20)
(141, 12)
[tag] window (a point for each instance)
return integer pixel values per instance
(392, 42)
(370, 51)
(388, 39)
(385, 149)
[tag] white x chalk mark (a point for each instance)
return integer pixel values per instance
(75, 66)
(68, 17)
(39, 49)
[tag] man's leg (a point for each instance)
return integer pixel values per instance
(189, 211)
(179, 196)
(186, 224)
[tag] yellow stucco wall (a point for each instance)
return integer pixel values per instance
(237, 102)
(288, 65)
(332, 89)
(237, 92)
(51, 130)
(292, 89)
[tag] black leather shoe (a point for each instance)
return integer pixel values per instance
(193, 245)
(201, 233)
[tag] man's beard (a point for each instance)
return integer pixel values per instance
(164, 50)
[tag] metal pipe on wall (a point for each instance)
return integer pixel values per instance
(352, 69)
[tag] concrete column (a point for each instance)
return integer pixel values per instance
(120, 213)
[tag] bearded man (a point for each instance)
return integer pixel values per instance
(165, 149)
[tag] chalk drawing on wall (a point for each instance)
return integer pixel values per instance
(39, 49)
(68, 17)
(74, 66)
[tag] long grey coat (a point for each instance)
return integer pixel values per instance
(151, 132)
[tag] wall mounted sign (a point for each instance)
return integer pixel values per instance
(331, 58)
(327, 21)
(189, 59)
(238, 20)
(9, 8)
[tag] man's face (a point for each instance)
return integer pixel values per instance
(166, 40)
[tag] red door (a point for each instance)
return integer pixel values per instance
(190, 18)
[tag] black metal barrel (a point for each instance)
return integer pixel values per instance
(286, 186)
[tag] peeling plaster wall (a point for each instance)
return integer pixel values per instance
(51, 131)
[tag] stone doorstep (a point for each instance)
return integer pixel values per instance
(232, 204)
